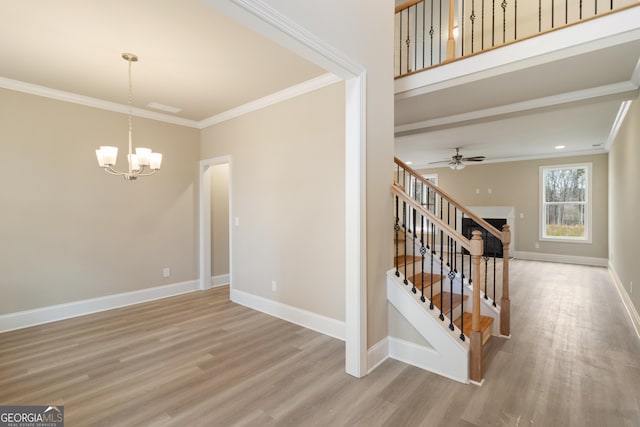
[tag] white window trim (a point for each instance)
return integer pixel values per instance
(588, 208)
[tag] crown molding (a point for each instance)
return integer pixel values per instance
(617, 123)
(87, 101)
(548, 101)
(283, 95)
(347, 68)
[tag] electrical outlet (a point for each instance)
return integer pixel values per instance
(237, 221)
(521, 215)
(477, 191)
(166, 272)
(274, 286)
(490, 191)
(537, 245)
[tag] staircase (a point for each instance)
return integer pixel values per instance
(443, 282)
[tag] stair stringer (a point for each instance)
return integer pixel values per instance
(450, 355)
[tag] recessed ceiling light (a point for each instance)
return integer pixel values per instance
(408, 163)
(559, 147)
(162, 107)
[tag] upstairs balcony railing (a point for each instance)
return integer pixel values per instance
(432, 32)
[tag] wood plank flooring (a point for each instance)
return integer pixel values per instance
(200, 360)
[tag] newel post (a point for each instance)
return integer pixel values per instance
(451, 42)
(475, 359)
(505, 310)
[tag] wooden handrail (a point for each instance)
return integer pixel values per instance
(446, 228)
(480, 221)
(407, 5)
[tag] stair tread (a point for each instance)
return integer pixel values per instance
(404, 259)
(446, 302)
(417, 280)
(485, 323)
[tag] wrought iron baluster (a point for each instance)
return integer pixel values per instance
(396, 227)
(404, 230)
(580, 9)
(452, 276)
(431, 32)
(515, 20)
(441, 317)
(408, 42)
(413, 253)
(539, 16)
(473, 23)
(424, 29)
(462, 287)
(553, 10)
(400, 47)
(566, 11)
(482, 28)
(433, 254)
(415, 38)
(462, 31)
(493, 23)
(486, 265)
(495, 248)
(504, 20)
(440, 35)
(423, 251)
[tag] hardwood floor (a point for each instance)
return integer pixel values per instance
(200, 360)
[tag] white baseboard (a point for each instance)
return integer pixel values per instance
(24, 319)
(567, 259)
(317, 322)
(377, 354)
(626, 300)
(219, 280)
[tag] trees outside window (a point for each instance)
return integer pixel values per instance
(565, 202)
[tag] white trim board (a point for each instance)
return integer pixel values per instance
(274, 98)
(283, 95)
(316, 322)
(220, 280)
(566, 259)
(406, 352)
(626, 300)
(378, 353)
(53, 313)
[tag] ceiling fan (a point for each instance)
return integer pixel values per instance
(456, 161)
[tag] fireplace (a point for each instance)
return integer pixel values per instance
(492, 245)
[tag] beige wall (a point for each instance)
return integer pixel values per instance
(287, 184)
(517, 184)
(369, 42)
(219, 219)
(624, 203)
(68, 230)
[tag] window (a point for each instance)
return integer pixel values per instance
(566, 202)
(422, 194)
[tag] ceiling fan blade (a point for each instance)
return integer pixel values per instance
(473, 159)
(441, 161)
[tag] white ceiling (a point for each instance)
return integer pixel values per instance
(570, 99)
(190, 56)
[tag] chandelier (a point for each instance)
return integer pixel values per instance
(143, 160)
